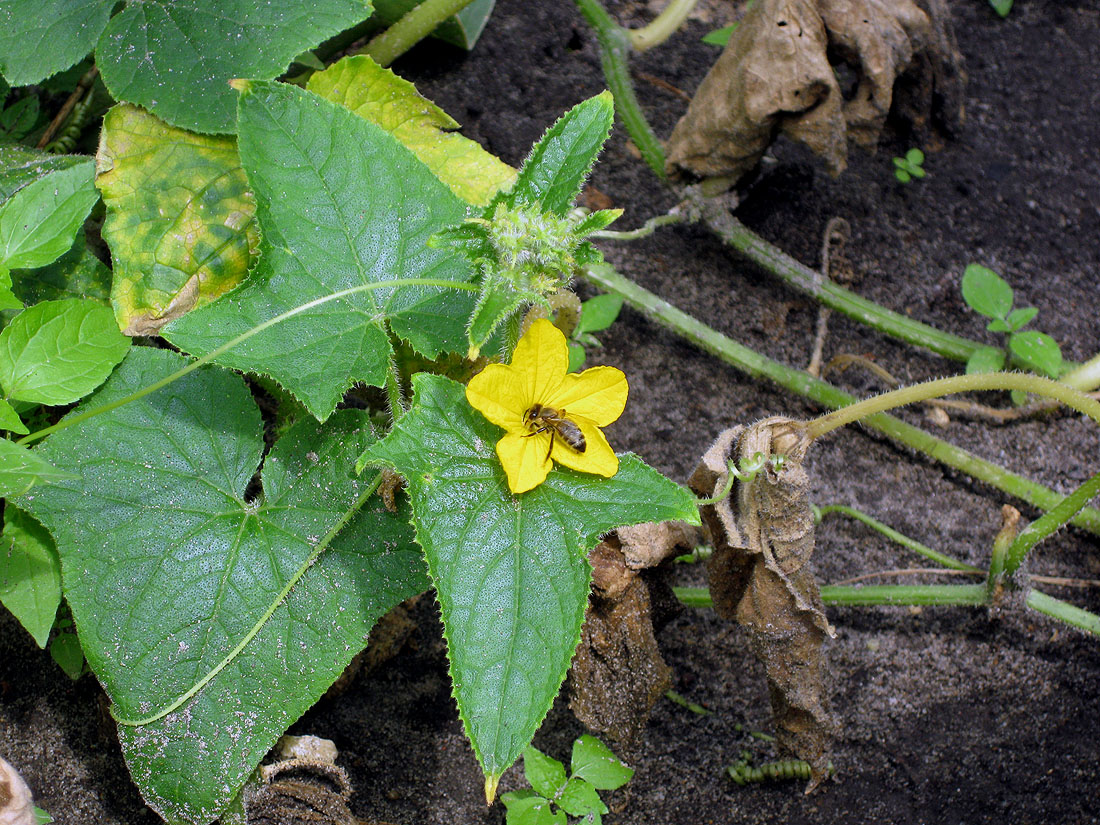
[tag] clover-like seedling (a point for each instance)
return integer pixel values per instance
(1002, 7)
(910, 166)
(988, 294)
(554, 795)
(597, 314)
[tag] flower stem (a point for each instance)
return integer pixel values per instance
(663, 26)
(411, 29)
(240, 339)
(758, 366)
(614, 42)
(894, 535)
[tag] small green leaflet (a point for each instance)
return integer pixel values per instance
(56, 352)
(554, 172)
(511, 572)
(20, 470)
(20, 166)
(39, 222)
(193, 600)
(180, 219)
(341, 204)
(30, 573)
(10, 420)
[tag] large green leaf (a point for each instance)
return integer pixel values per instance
(20, 469)
(380, 96)
(38, 224)
(554, 172)
(179, 217)
(176, 57)
(76, 274)
(39, 38)
(57, 352)
(177, 582)
(341, 204)
(30, 574)
(511, 572)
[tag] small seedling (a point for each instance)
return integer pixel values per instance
(1002, 7)
(910, 166)
(554, 795)
(988, 294)
(41, 817)
(597, 314)
(720, 37)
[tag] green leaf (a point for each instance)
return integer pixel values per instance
(20, 166)
(526, 808)
(10, 420)
(599, 313)
(999, 325)
(579, 798)
(986, 359)
(986, 292)
(172, 573)
(8, 300)
(594, 762)
(1038, 351)
(1019, 318)
(18, 119)
(1002, 7)
(56, 352)
(383, 98)
(30, 573)
(511, 572)
(39, 222)
(559, 163)
(39, 38)
(20, 469)
(180, 219)
(66, 652)
(902, 175)
(577, 357)
(76, 274)
(720, 37)
(176, 57)
(915, 158)
(545, 774)
(41, 817)
(361, 211)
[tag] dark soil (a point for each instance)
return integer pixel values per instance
(949, 715)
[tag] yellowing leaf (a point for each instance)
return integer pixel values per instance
(180, 218)
(380, 96)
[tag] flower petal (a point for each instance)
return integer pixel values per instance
(597, 458)
(499, 393)
(598, 394)
(542, 357)
(525, 460)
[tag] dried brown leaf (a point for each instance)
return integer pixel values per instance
(763, 539)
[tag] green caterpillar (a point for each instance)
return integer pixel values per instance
(743, 773)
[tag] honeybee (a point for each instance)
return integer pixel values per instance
(548, 420)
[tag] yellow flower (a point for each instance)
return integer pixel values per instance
(549, 415)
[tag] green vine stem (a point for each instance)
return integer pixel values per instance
(949, 386)
(614, 42)
(240, 339)
(1085, 377)
(322, 545)
(663, 26)
(1048, 523)
(411, 29)
(758, 366)
(895, 536)
(643, 231)
(1063, 611)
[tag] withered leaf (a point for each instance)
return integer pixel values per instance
(763, 537)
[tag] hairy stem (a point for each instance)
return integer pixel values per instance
(643, 231)
(240, 339)
(614, 42)
(894, 535)
(411, 29)
(664, 25)
(758, 366)
(1048, 523)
